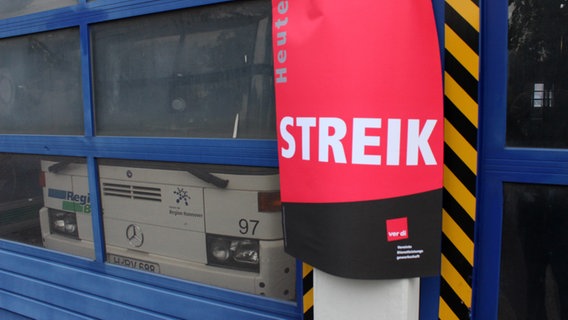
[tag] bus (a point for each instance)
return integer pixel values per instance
(204, 73)
(213, 224)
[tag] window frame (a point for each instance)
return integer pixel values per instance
(249, 152)
(499, 163)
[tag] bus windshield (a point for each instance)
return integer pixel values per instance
(201, 72)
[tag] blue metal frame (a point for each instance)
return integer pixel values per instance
(98, 286)
(103, 290)
(498, 163)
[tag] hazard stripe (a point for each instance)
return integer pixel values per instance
(308, 291)
(455, 280)
(457, 240)
(457, 263)
(460, 55)
(466, 9)
(446, 312)
(461, 77)
(467, 130)
(458, 215)
(457, 309)
(459, 192)
(453, 161)
(458, 144)
(463, 102)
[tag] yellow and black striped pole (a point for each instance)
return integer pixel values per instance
(461, 76)
(308, 291)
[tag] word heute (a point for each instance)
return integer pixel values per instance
(280, 23)
(332, 131)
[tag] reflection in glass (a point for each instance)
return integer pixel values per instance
(13, 8)
(213, 224)
(20, 199)
(40, 84)
(38, 208)
(201, 72)
(534, 254)
(538, 74)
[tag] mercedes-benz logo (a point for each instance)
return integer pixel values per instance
(134, 235)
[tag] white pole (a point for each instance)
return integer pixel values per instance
(338, 298)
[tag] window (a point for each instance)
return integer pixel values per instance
(213, 224)
(13, 8)
(538, 74)
(20, 199)
(523, 174)
(138, 139)
(202, 72)
(533, 283)
(40, 84)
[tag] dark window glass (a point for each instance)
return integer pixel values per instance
(534, 253)
(38, 207)
(20, 198)
(537, 96)
(200, 72)
(40, 84)
(13, 8)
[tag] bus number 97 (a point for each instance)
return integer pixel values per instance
(248, 226)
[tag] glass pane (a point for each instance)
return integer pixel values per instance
(13, 8)
(534, 254)
(40, 84)
(212, 224)
(39, 206)
(537, 96)
(20, 199)
(200, 72)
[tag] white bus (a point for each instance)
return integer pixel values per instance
(202, 73)
(218, 225)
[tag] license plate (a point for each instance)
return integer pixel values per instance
(133, 263)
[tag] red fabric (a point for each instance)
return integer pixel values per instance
(356, 59)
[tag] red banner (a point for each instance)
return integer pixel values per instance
(359, 99)
(360, 134)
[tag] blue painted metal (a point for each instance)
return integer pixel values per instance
(218, 151)
(42, 284)
(105, 296)
(86, 76)
(7, 315)
(91, 12)
(429, 298)
(33, 309)
(500, 164)
(86, 275)
(96, 209)
(108, 291)
(492, 114)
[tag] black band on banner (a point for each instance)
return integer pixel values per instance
(380, 239)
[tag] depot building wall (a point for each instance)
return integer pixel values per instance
(67, 283)
(186, 177)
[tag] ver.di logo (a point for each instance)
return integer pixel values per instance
(182, 196)
(397, 229)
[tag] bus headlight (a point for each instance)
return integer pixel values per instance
(246, 251)
(220, 250)
(233, 253)
(63, 223)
